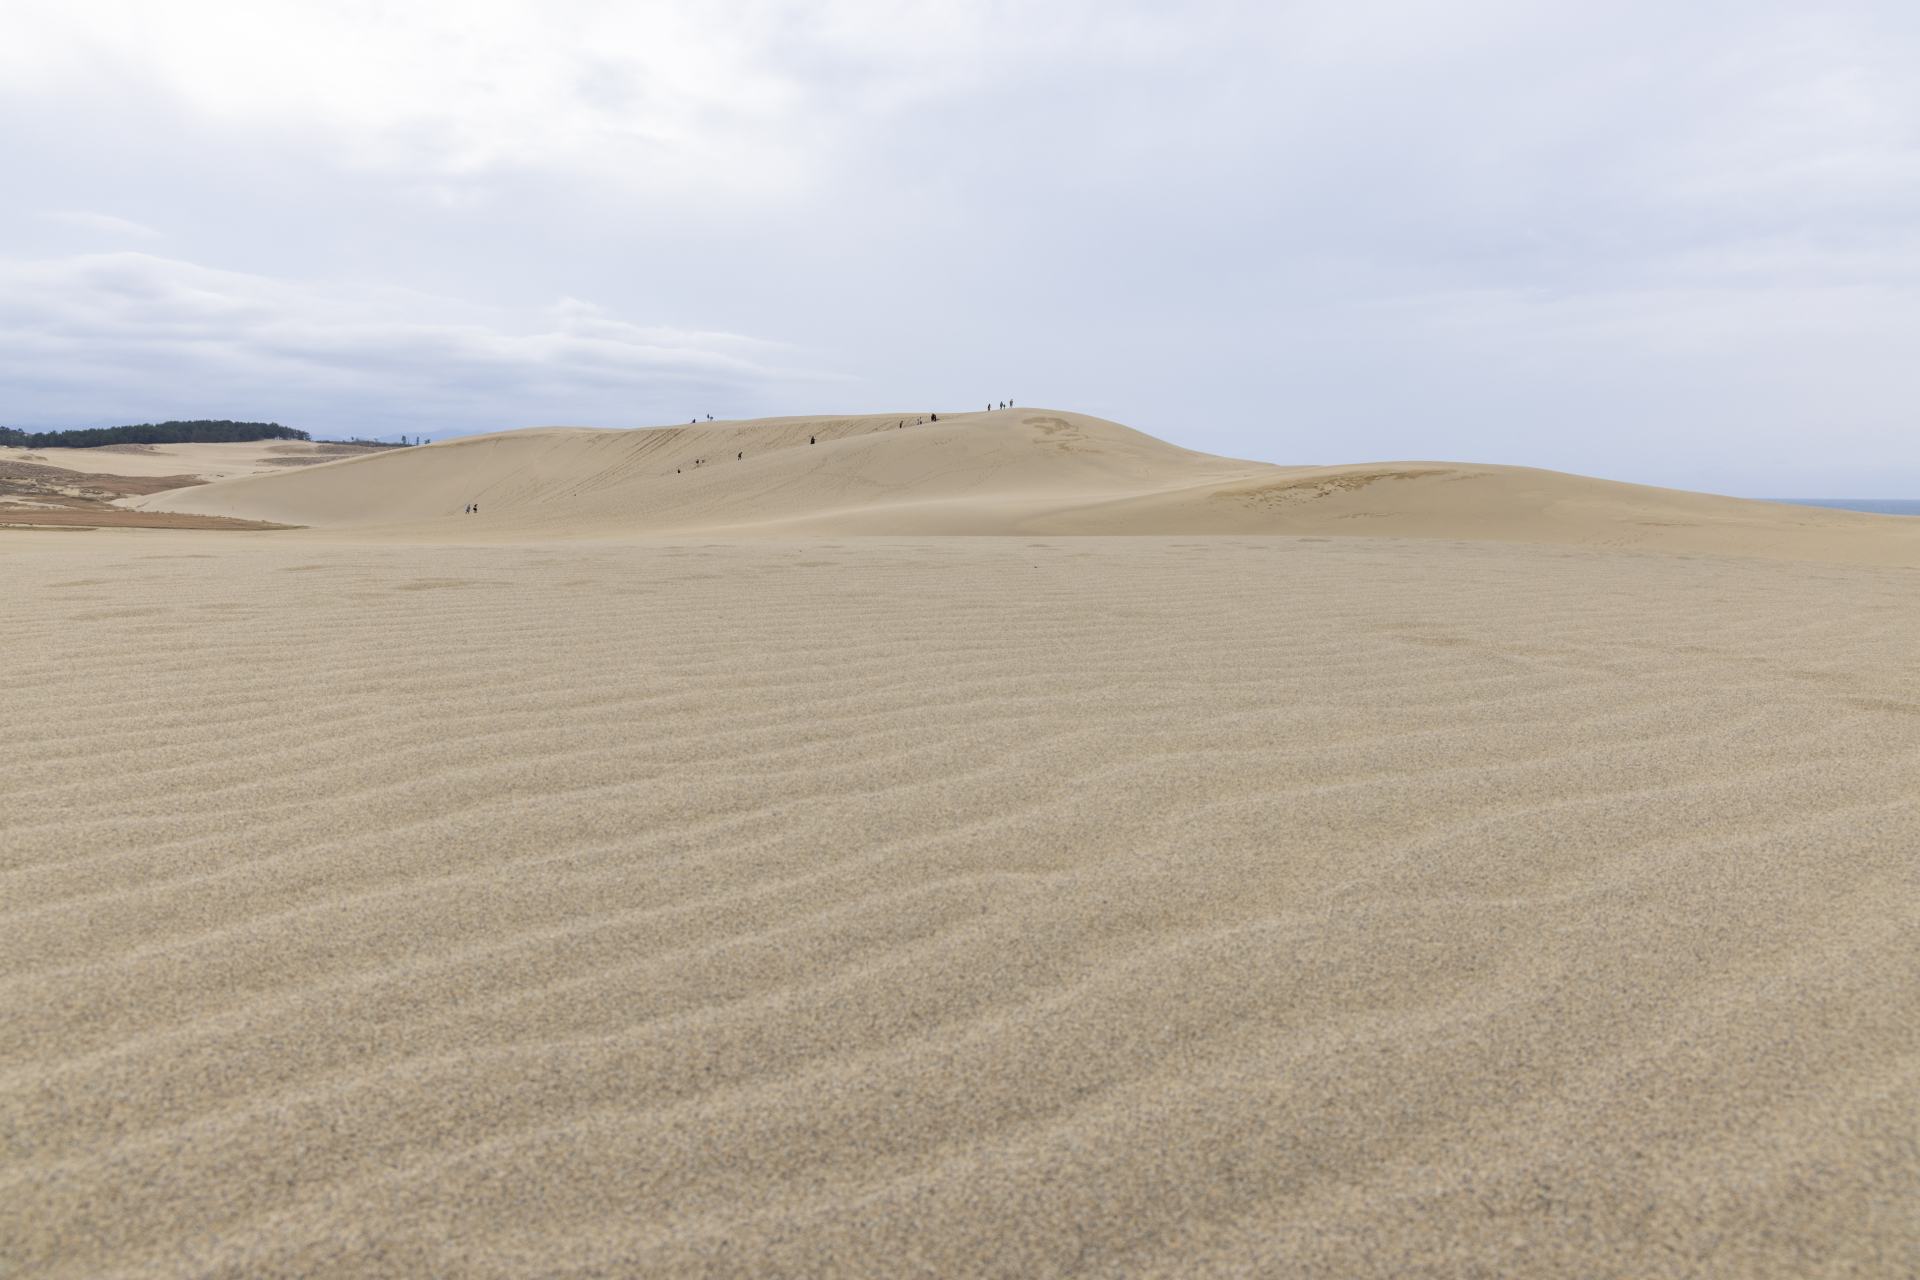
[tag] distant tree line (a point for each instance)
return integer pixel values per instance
(198, 431)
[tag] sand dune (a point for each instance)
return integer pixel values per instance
(1019, 471)
(89, 488)
(646, 877)
(204, 461)
(987, 906)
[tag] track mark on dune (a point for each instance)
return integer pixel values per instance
(437, 584)
(1313, 488)
(1885, 704)
(1058, 432)
(110, 615)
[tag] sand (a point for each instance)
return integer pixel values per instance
(205, 462)
(1020, 471)
(89, 488)
(910, 905)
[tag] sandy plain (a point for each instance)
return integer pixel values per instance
(522, 899)
(89, 488)
(205, 462)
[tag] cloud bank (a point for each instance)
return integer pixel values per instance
(124, 335)
(1668, 243)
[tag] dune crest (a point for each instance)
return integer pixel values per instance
(1016, 471)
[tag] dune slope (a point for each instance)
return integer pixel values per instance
(1012, 472)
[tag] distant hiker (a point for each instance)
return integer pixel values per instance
(936, 417)
(811, 440)
(740, 455)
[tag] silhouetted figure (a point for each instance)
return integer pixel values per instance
(740, 455)
(936, 417)
(811, 440)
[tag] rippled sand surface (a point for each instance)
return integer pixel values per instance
(997, 906)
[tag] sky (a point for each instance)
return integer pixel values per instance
(1671, 243)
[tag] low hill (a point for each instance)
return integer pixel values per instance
(1018, 471)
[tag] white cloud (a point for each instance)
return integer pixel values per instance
(1398, 227)
(104, 223)
(118, 335)
(749, 95)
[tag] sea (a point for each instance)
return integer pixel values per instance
(1879, 506)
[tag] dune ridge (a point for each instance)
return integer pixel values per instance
(1011, 472)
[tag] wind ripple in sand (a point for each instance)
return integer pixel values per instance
(988, 906)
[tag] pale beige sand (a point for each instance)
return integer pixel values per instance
(207, 461)
(34, 493)
(996, 906)
(1021, 471)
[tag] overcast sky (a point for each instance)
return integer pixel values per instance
(1677, 243)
